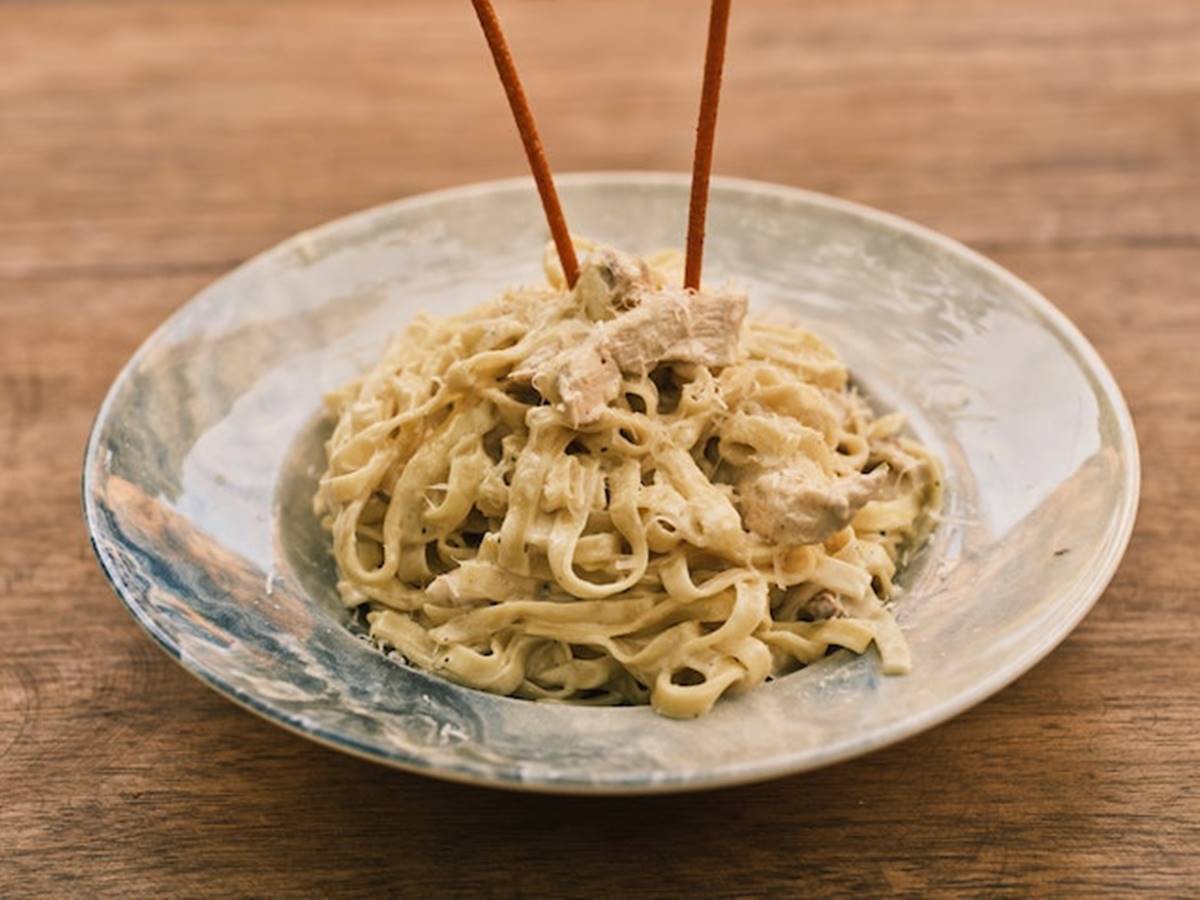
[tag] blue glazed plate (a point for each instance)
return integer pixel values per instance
(199, 473)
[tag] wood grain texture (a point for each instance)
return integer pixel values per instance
(146, 147)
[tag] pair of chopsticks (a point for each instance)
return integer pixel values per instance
(714, 59)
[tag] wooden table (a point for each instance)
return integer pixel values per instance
(147, 147)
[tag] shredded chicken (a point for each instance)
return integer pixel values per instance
(611, 283)
(784, 506)
(666, 326)
(587, 381)
(677, 326)
(648, 327)
(821, 606)
(542, 359)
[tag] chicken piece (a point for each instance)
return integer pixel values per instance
(673, 325)
(587, 382)
(668, 326)
(784, 506)
(665, 326)
(610, 283)
(543, 359)
(821, 606)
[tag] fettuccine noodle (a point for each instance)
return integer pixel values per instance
(620, 493)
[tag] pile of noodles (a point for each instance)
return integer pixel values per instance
(500, 541)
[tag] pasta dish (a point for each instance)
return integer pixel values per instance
(620, 493)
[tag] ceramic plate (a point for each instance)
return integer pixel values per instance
(200, 470)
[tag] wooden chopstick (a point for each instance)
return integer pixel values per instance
(534, 151)
(714, 61)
